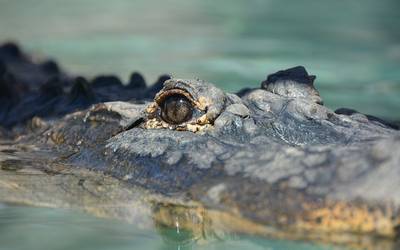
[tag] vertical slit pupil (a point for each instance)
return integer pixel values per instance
(176, 109)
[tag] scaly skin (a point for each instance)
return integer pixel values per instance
(271, 161)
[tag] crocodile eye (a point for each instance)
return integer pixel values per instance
(176, 109)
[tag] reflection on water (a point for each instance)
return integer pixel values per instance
(56, 229)
(352, 46)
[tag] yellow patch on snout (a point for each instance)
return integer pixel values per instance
(351, 218)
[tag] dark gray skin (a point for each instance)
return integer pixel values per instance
(286, 162)
(274, 157)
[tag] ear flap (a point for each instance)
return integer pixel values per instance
(293, 83)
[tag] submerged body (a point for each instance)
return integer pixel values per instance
(271, 161)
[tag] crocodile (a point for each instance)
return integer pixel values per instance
(270, 161)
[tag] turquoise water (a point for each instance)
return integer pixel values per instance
(27, 228)
(352, 46)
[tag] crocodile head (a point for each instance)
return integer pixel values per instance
(271, 160)
(272, 155)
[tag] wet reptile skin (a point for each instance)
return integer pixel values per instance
(274, 157)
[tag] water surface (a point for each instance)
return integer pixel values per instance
(28, 228)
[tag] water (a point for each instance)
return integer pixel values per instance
(28, 228)
(352, 46)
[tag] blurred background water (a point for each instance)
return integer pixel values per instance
(352, 46)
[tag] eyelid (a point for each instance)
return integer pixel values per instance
(160, 98)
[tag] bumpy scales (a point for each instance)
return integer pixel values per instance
(270, 161)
